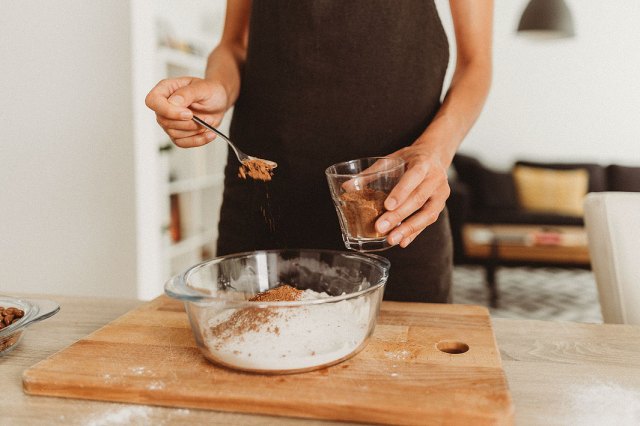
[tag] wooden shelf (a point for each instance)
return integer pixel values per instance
(188, 206)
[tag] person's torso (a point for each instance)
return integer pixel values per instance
(339, 79)
(328, 81)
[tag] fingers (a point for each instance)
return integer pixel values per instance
(176, 100)
(367, 175)
(188, 134)
(353, 184)
(191, 138)
(415, 200)
(167, 124)
(187, 95)
(201, 95)
(410, 181)
(180, 134)
(408, 240)
(189, 125)
(194, 141)
(419, 209)
(161, 99)
(414, 225)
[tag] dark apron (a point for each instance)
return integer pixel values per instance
(328, 81)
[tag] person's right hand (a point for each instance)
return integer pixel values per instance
(176, 100)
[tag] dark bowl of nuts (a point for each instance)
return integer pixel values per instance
(16, 314)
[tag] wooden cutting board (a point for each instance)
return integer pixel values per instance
(149, 356)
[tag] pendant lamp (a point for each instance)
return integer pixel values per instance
(547, 19)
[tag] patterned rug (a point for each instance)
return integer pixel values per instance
(551, 294)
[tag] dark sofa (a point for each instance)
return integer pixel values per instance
(480, 194)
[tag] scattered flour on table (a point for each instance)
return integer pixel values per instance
(122, 414)
(141, 371)
(156, 385)
(605, 404)
(280, 338)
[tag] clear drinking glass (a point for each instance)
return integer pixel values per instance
(358, 189)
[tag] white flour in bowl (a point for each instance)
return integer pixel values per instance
(289, 338)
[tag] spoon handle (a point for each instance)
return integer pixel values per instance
(203, 123)
(241, 155)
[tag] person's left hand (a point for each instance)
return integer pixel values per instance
(417, 200)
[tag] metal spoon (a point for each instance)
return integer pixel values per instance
(242, 157)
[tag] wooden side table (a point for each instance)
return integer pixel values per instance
(524, 245)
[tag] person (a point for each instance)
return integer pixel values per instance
(315, 83)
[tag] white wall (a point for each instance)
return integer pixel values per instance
(67, 209)
(575, 99)
(66, 152)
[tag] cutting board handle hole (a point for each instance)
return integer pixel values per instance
(453, 348)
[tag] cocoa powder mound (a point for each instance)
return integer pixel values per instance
(282, 293)
(255, 319)
(255, 169)
(361, 209)
(241, 322)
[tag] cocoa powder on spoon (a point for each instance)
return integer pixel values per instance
(255, 169)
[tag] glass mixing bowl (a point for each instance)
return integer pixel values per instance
(330, 323)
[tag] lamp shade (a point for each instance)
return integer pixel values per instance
(547, 19)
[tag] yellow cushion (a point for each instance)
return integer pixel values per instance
(551, 191)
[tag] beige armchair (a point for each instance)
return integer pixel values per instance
(612, 220)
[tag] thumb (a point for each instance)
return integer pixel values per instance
(185, 96)
(197, 92)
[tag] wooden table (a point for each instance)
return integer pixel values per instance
(516, 245)
(559, 373)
